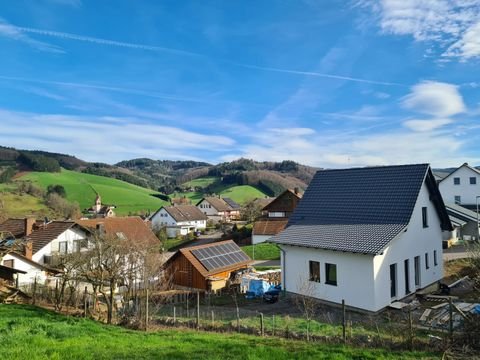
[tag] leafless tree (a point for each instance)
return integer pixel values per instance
(251, 212)
(306, 302)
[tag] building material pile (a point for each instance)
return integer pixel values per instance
(12, 295)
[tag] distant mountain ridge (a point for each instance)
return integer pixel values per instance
(165, 176)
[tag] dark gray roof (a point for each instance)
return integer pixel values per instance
(232, 203)
(359, 210)
(461, 213)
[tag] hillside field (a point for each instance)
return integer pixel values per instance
(29, 332)
(81, 187)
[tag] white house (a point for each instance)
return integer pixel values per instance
(369, 236)
(219, 209)
(461, 187)
(464, 222)
(42, 242)
(179, 220)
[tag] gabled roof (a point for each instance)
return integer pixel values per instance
(201, 257)
(46, 233)
(218, 204)
(360, 210)
(16, 227)
(269, 226)
(185, 213)
(464, 165)
(133, 228)
(285, 202)
(461, 213)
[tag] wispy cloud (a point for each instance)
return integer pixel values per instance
(12, 32)
(453, 26)
(121, 137)
(426, 125)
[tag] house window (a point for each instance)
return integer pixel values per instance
(456, 181)
(406, 264)
(62, 247)
(331, 274)
(424, 217)
(458, 199)
(473, 181)
(314, 271)
(77, 245)
(435, 258)
(8, 263)
(427, 263)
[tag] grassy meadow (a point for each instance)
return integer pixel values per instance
(82, 188)
(263, 251)
(28, 332)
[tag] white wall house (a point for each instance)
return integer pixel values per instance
(219, 209)
(369, 236)
(43, 243)
(179, 220)
(461, 187)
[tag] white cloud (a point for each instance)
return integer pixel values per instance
(435, 98)
(107, 139)
(12, 32)
(451, 24)
(426, 125)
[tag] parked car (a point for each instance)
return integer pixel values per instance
(271, 296)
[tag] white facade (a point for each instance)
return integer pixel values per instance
(162, 219)
(363, 281)
(257, 239)
(31, 270)
(457, 188)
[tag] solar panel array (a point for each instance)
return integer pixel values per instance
(219, 256)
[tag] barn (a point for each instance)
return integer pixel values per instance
(206, 267)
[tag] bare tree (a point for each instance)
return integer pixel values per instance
(251, 212)
(306, 302)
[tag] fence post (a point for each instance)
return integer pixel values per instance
(273, 325)
(262, 325)
(344, 323)
(410, 325)
(174, 315)
(198, 310)
(85, 303)
(238, 319)
(146, 309)
(450, 323)
(213, 319)
(34, 295)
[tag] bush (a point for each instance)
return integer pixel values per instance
(62, 206)
(7, 175)
(56, 189)
(26, 187)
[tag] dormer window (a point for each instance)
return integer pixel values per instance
(456, 181)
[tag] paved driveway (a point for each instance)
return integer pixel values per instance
(455, 252)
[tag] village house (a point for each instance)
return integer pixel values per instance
(219, 209)
(369, 236)
(179, 220)
(461, 187)
(41, 243)
(464, 222)
(275, 216)
(206, 267)
(99, 210)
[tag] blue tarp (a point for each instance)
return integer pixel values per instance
(258, 287)
(476, 309)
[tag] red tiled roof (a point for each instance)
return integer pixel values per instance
(269, 227)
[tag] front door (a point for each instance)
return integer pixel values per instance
(393, 280)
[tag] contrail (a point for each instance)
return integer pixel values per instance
(100, 41)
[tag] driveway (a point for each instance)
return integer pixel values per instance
(455, 252)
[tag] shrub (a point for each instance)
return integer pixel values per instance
(56, 189)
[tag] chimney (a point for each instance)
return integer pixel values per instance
(29, 222)
(100, 229)
(28, 249)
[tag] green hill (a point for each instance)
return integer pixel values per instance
(82, 188)
(28, 332)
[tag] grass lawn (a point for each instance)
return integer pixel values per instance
(15, 205)
(263, 251)
(81, 187)
(27, 332)
(264, 268)
(202, 182)
(241, 194)
(171, 243)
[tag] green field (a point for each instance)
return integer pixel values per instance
(81, 187)
(28, 332)
(263, 251)
(202, 182)
(16, 205)
(238, 193)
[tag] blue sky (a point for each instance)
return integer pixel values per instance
(325, 83)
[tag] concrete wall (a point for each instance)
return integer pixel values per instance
(467, 192)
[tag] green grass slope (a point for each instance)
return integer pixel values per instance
(81, 187)
(27, 332)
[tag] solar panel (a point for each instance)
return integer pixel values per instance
(219, 256)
